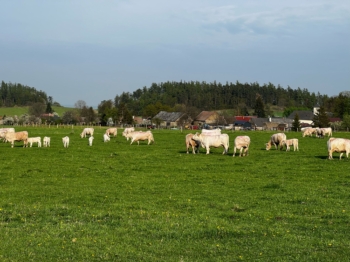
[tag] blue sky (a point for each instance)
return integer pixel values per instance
(94, 50)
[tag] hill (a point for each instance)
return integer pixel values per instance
(21, 110)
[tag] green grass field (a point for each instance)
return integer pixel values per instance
(18, 111)
(120, 202)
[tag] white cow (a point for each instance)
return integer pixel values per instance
(112, 131)
(208, 141)
(32, 140)
(65, 141)
(91, 138)
(46, 141)
(140, 136)
(106, 138)
(192, 143)
(87, 131)
(3, 132)
(340, 145)
(241, 143)
(309, 131)
(327, 131)
(127, 135)
(127, 131)
(276, 140)
(291, 142)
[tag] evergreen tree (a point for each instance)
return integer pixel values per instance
(296, 123)
(259, 107)
(321, 119)
(49, 109)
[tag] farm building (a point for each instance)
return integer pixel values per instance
(209, 118)
(172, 119)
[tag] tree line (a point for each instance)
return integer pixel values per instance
(189, 97)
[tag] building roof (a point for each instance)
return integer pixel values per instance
(303, 115)
(260, 122)
(169, 116)
(204, 115)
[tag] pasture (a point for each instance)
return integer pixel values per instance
(119, 202)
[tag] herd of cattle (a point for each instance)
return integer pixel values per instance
(205, 139)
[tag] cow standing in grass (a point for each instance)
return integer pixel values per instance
(65, 141)
(276, 140)
(291, 142)
(140, 136)
(242, 144)
(112, 131)
(339, 145)
(32, 140)
(87, 131)
(46, 141)
(13, 137)
(208, 141)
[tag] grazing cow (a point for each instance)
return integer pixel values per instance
(3, 132)
(208, 141)
(309, 131)
(241, 143)
(291, 142)
(87, 131)
(127, 131)
(17, 136)
(46, 141)
(91, 138)
(276, 140)
(140, 136)
(319, 132)
(106, 138)
(112, 131)
(192, 143)
(65, 141)
(340, 145)
(32, 140)
(327, 131)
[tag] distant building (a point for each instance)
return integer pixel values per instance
(172, 119)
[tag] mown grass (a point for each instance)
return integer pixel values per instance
(120, 202)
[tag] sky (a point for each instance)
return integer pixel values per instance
(94, 50)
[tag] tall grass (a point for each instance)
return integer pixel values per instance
(120, 202)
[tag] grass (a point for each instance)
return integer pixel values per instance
(18, 111)
(120, 202)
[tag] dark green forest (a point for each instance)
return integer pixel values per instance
(239, 97)
(20, 95)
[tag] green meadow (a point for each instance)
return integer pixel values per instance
(120, 202)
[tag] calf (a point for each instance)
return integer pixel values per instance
(91, 138)
(65, 141)
(241, 143)
(46, 141)
(192, 143)
(32, 140)
(291, 142)
(106, 138)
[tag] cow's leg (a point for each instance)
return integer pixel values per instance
(234, 151)
(208, 150)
